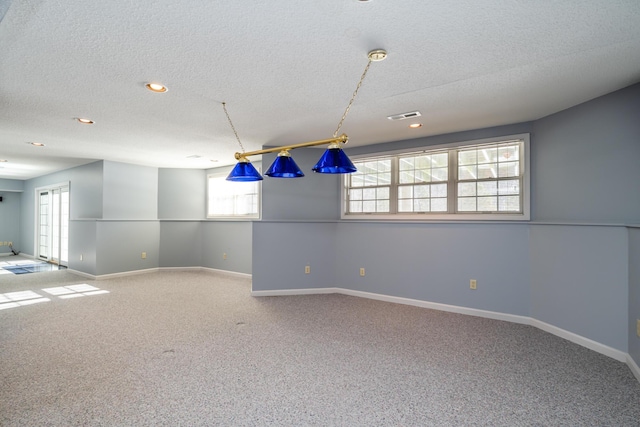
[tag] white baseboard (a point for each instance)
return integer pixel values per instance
(155, 270)
(633, 366)
(438, 306)
(227, 272)
(580, 340)
(290, 292)
(570, 336)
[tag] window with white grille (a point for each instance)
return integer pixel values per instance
(485, 179)
(229, 199)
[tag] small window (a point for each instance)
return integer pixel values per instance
(228, 199)
(485, 180)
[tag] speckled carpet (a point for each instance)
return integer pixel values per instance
(194, 348)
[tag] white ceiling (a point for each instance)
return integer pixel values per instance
(287, 69)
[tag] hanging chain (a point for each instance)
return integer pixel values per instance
(224, 106)
(353, 97)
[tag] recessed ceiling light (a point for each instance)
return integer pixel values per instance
(415, 125)
(37, 144)
(85, 121)
(156, 87)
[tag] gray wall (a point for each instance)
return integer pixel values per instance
(634, 292)
(434, 262)
(11, 185)
(579, 280)
(281, 250)
(129, 191)
(119, 246)
(181, 194)
(585, 162)
(10, 219)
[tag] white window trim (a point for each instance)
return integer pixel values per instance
(446, 217)
(218, 173)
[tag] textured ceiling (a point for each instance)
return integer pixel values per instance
(287, 69)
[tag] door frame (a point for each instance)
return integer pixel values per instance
(36, 223)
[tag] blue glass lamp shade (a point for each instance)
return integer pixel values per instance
(284, 167)
(334, 160)
(244, 172)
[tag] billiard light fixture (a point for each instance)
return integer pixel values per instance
(333, 161)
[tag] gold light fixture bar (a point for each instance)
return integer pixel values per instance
(333, 161)
(340, 139)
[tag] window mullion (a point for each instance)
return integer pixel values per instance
(393, 190)
(452, 186)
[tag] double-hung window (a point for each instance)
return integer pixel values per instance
(475, 180)
(235, 200)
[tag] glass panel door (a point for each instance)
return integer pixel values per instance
(53, 226)
(44, 223)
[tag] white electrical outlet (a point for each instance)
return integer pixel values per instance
(362, 271)
(307, 269)
(224, 255)
(473, 284)
(81, 257)
(638, 327)
(144, 255)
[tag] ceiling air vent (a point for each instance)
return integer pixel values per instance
(404, 116)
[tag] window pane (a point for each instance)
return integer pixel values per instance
(467, 157)
(357, 179)
(508, 153)
(487, 188)
(438, 205)
(488, 155)
(355, 207)
(382, 193)
(509, 203)
(509, 169)
(511, 186)
(488, 170)
(439, 174)
(405, 205)
(406, 164)
(405, 191)
(466, 204)
(406, 178)
(439, 190)
(487, 204)
(468, 172)
(369, 194)
(421, 205)
(382, 206)
(466, 189)
(421, 191)
(371, 173)
(422, 176)
(355, 194)
(369, 206)
(440, 160)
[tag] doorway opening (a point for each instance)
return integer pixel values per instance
(52, 228)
